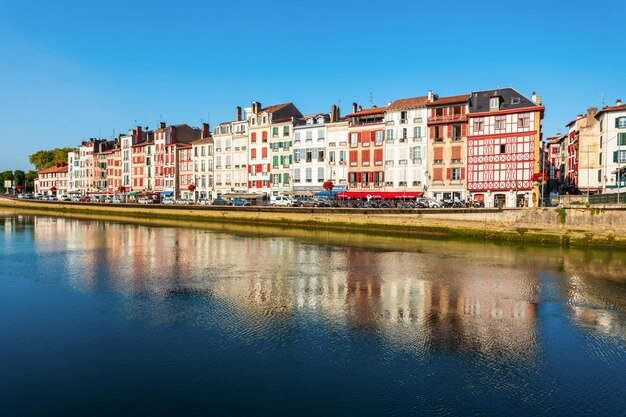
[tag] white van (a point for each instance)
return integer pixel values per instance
(280, 200)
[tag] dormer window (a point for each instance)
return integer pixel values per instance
(494, 103)
(515, 100)
(309, 121)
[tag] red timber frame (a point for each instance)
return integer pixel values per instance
(489, 169)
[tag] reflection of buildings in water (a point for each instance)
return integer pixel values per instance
(594, 302)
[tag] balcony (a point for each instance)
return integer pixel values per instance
(438, 140)
(389, 163)
(403, 121)
(447, 118)
(417, 139)
(365, 163)
(343, 143)
(332, 144)
(365, 144)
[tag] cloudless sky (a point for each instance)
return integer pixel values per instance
(71, 70)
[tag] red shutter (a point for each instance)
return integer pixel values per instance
(259, 168)
(264, 136)
(378, 155)
(365, 155)
(259, 183)
(249, 184)
(464, 130)
(437, 174)
(249, 169)
(462, 173)
(253, 137)
(264, 152)
(456, 152)
(371, 174)
(438, 153)
(449, 131)
(253, 153)
(432, 132)
(358, 177)
(354, 156)
(448, 173)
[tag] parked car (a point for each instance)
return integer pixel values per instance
(116, 200)
(240, 202)
(168, 200)
(220, 202)
(280, 200)
(203, 202)
(428, 203)
(64, 198)
(85, 200)
(184, 202)
(145, 200)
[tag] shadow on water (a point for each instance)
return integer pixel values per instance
(398, 324)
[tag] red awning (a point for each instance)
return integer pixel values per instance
(380, 194)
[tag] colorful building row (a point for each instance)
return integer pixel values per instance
(484, 146)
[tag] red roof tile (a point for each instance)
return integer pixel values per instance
(450, 100)
(62, 167)
(367, 112)
(275, 107)
(606, 109)
(408, 103)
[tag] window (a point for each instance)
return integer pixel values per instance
(515, 100)
(621, 139)
(494, 103)
(622, 156)
(264, 134)
(309, 155)
(456, 174)
(503, 148)
(353, 139)
(296, 155)
(479, 125)
(456, 132)
(500, 122)
(342, 157)
(389, 134)
(404, 133)
(296, 175)
(403, 117)
(416, 153)
(331, 156)
(275, 132)
(320, 155)
(379, 137)
(438, 133)
(320, 174)
(523, 120)
(309, 175)
(620, 122)
(297, 136)
(320, 134)
(285, 130)
(252, 139)
(417, 132)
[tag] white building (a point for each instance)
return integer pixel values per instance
(405, 145)
(281, 143)
(337, 140)
(202, 155)
(612, 147)
(240, 152)
(224, 152)
(310, 153)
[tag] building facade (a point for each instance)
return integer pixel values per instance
(583, 153)
(366, 148)
(337, 133)
(503, 148)
(447, 140)
(310, 153)
(203, 154)
(406, 147)
(53, 180)
(612, 121)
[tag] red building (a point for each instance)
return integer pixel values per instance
(366, 138)
(185, 172)
(503, 148)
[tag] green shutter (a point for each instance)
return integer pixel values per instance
(615, 156)
(290, 159)
(621, 139)
(286, 178)
(599, 175)
(280, 144)
(290, 143)
(275, 160)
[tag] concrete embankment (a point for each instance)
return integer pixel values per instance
(573, 226)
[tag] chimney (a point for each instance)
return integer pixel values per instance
(353, 107)
(238, 114)
(337, 113)
(360, 108)
(256, 107)
(138, 134)
(533, 98)
(333, 109)
(205, 131)
(389, 102)
(162, 125)
(618, 102)
(431, 97)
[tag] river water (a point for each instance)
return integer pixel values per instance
(106, 318)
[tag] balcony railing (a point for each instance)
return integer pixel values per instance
(448, 118)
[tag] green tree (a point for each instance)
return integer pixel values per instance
(5, 176)
(30, 177)
(46, 158)
(20, 178)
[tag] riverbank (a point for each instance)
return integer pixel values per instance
(561, 227)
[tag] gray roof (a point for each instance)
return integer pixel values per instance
(510, 99)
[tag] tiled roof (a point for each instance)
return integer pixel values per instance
(208, 139)
(408, 103)
(450, 100)
(275, 107)
(54, 169)
(607, 109)
(367, 112)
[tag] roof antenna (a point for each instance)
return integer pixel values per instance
(602, 98)
(371, 99)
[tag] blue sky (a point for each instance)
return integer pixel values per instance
(72, 70)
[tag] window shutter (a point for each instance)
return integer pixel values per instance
(253, 153)
(449, 131)
(615, 156)
(448, 173)
(253, 137)
(371, 174)
(259, 168)
(432, 132)
(617, 122)
(462, 173)
(275, 160)
(358, 177)
(249, 169)
(259, 183)
(290, 159)
(463, 130)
